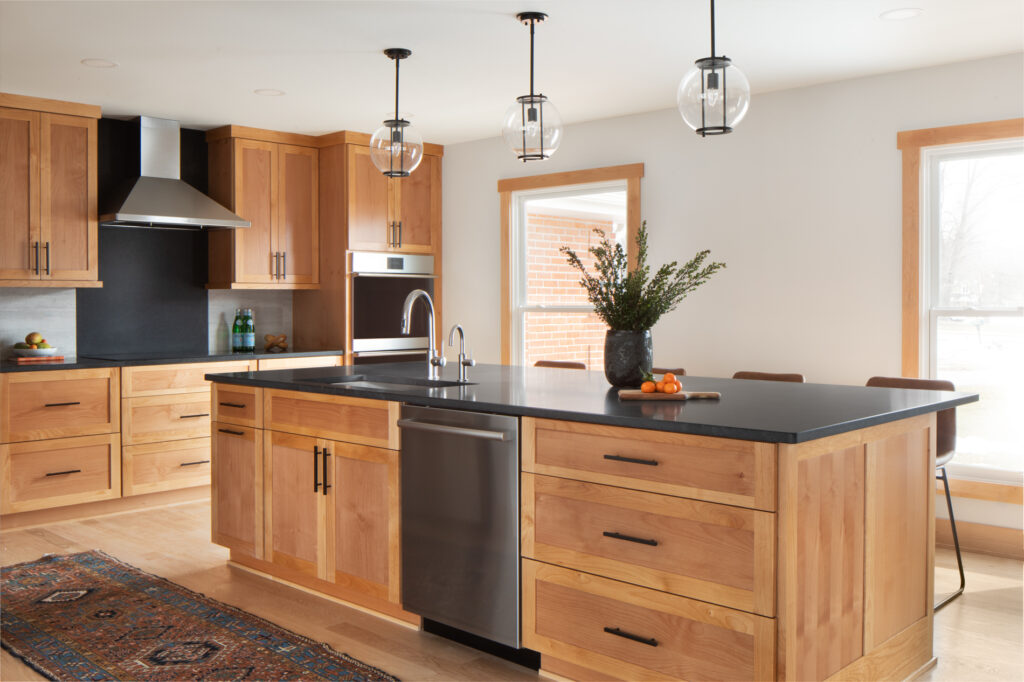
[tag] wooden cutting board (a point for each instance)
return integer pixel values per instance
(38, 360)
(637, 394)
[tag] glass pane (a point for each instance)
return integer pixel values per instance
(985, 355)
(981, 231)
(578, 337)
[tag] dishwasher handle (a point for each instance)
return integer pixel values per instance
(417, 425)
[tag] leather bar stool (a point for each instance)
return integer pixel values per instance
(561, 364)
(770, 376)
(680, 372)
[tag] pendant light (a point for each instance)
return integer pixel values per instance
(532, 127)
(714, 95)
(396, 149)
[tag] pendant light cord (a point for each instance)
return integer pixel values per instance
(533, 22)
(397, 62)
(713, 55)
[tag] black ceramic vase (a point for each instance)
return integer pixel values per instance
(628, 356)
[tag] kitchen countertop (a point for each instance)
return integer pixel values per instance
(768, 411)
(137, 359)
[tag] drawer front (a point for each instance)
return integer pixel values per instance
(241, 405)
(165, 417)
(186, 378)
(639, 634)
(712, 552)
(299, 363)
(58, 472)
(153, 467)
(351, 420)
(54, 404)
(740, 473)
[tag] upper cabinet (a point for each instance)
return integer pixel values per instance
(275, 185)
(48, 218)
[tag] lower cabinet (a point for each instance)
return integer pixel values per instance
(295, 509)
(236, 490)
(154, 467)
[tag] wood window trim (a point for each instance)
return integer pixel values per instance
(632, 173)
(1004, 493)
(911, 143)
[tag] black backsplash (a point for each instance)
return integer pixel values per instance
(153, 298)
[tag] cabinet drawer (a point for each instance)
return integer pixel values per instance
(735, 472)
(241, 405)
(58, 472)
(165, 417)
(153, 467)
(52, 404)
(712, 552)
(639, 634)
(299, 363)
(186, 378)
(351, 420)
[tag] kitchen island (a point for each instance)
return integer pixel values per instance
(785, 531)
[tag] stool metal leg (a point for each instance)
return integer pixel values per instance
(956, 541)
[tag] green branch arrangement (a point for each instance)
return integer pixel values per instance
(631, 300)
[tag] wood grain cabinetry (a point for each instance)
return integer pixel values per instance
(352, 420)
(300, 362)
(240, 405)
(48, 184)
(58, 403)
(181, 378)
(158, 418)
(153, 467)
(236, 492)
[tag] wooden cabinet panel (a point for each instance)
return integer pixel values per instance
(69, 235)
(19, 193)
(419, 202)
(237, 488)
(736, 472)
(168, 379)
(636, 633)
(58, 403)
(256, 186)
(298, 222)
(299, 363)
(369, 198)
(352, 420)
(294, 503)
(59, 472)
(242, 405)
(154, 467)
(712, 552)
(151, 419)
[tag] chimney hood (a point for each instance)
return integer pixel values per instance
(159, 198)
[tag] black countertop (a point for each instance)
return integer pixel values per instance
(769, 411)
(137, 359)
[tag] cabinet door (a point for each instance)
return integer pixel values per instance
(369, 215)
(298, 223)
(419, 207)
(237, 488)
(19, 193)
(294, 503)
(365, 517)
(256, 178)
(67, 197)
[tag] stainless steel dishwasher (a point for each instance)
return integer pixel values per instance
(460, 520)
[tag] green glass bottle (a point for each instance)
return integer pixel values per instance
(249, 332)
(237, 332)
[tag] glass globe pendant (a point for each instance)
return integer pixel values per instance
(532, 127)
(396, 149)
(714, 95)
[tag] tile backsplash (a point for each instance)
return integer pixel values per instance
(271, 311)
(51, 312)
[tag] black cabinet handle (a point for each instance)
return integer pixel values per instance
(399, 239)
(193, 416)
(274, 268)
(630, 538)
(238, 405)
(47, 258)
(316, 463)
(35, 247)
(62, 473)
(233, 433)
(326, 485)
(284, 264)
(633, 460)
(649, 641)
(189, 464)
(74, 402)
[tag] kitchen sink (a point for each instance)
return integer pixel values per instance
(389, 383)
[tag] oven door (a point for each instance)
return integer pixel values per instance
(377, 301)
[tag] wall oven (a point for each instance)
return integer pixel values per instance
(380, 283)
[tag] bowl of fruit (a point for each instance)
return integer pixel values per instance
(34, 346)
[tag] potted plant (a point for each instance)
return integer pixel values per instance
(631, 301)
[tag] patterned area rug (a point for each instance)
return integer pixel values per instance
(89, 616)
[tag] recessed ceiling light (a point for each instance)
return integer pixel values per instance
(268, 92)
(98, 63)
(901, 14)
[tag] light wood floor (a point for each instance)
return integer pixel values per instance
(977, 637)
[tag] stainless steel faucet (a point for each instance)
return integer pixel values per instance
(435, 360)
(465, 361)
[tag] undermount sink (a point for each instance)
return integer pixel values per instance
(388, 383)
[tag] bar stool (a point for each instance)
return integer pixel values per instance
(560, 364)
(770, 376)
(679, 372)
(945, 444)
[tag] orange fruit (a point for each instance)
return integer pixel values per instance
(660, 386)
(672, 388)
(679, 386)
(648, 387)
(669, 377)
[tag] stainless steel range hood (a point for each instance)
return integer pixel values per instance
(159, 197)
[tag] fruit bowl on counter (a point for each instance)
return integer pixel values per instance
(34, 352)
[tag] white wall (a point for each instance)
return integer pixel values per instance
(802, 203)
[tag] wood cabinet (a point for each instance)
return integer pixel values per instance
(146, 380)
(240, 405)
(153, 467)
(300, 362)
(275, 186)
(58, 403)
(362, 421)
(48, 184)
(236, 492)
(161, 418)
(295, 507)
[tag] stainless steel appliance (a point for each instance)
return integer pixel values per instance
(460, 520)
(380, 284)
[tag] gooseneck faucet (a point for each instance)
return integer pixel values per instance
(465, 361)
(435, 361)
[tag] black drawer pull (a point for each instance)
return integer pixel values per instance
(62, 473)
(76, 402)
(326, 485)
(238, 405)
(193, 416)
(629, 635)
(189, 464)
(633, 460)
(630, 538)
(233, 433)
(316, 463)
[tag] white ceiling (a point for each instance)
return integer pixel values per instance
(199, 62)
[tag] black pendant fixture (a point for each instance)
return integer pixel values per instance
(714, 95)
(532, 127)
(396, 149)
